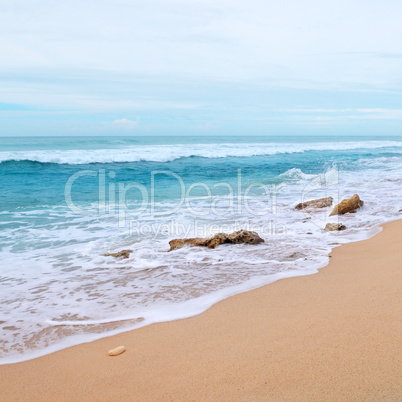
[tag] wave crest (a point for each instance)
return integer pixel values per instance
(167, 153)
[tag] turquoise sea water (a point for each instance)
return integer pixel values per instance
(65, 202)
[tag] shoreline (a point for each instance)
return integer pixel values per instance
(278, 341)
(204, 302)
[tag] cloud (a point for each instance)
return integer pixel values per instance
(180, 63)
(350, 113)
(206, 127)
(379, 114)
(125, 123)
(225, 40)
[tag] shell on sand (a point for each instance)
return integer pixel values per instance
(117, 351)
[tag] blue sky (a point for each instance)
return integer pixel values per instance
(200, 67)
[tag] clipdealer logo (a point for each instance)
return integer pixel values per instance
(117, 198)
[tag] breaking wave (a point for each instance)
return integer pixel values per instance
(167, 153)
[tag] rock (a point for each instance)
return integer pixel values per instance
(179, 243)
(117, 351)
(318, 203)
(349, 205)
(334, 226)
(241, 236)
(122, 253)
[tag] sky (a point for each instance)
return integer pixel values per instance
(200, 67)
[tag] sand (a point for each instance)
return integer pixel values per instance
(335, 335)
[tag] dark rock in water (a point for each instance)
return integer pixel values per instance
(349, 205)
(179, 243)
(122, 254)
(318, 203)
(334, 226)
(241, 236)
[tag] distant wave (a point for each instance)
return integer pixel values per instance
(166, 153)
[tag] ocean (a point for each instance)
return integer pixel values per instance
(66, 202)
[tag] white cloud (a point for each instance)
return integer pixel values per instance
(357, 113)
(126, 123)
(191, 60)
(206, 127)
(379, 114)
(273, 42)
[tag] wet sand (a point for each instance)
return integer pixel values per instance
(335, 335)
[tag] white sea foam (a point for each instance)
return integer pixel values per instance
(65, 291)
(166, 153)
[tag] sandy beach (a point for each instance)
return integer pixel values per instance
(334, 335)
